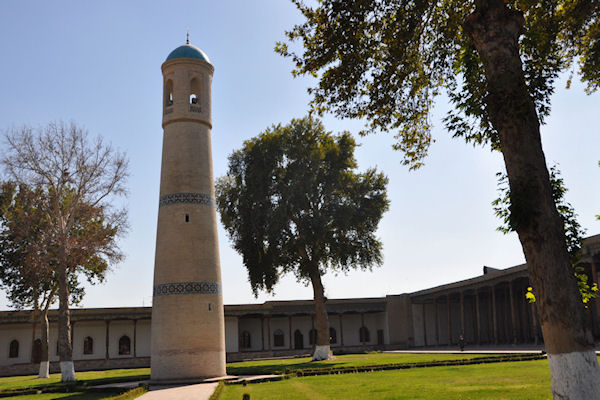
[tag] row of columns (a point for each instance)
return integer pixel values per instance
(290, 335)
(510, 305)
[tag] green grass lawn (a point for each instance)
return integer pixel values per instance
(351, 360)
(241, 368)
(32, 381)
(525, 380)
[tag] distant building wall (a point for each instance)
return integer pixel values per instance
(400, 320)
(489, 309)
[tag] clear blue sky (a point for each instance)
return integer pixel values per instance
(98, 64)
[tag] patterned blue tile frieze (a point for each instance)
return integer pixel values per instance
(186, 198)
(177, 288)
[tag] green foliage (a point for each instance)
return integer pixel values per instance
(386, 61)
(503, 208)
(292, 202)
(587, 292)
(24, 259)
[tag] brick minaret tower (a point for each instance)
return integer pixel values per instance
(188, 332)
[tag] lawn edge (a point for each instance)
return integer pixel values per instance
(387, 367)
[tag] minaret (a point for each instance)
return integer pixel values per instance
(188, 332)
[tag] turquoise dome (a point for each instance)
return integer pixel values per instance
(188, 51)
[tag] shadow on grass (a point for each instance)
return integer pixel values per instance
(117, 379)
(82, 384)
(88, 396)
(279, 368)
(307, 367)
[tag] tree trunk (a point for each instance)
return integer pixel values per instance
(494, 30)
(65, 350)
(36, 310)
(44, 359)
(322, 349)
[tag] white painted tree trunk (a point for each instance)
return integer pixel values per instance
(322, 353)
(67, 371)
(571, 374)
(44, 369)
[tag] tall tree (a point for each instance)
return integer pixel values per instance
(292, 202)
(80, 178)
(385, 61)
(25, 271)
(28, 255)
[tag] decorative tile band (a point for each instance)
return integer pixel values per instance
(168, 289)
(186, 198)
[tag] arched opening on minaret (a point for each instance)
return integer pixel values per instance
(187, 217)
(194, 91)
(168, 93)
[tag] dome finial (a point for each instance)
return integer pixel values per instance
(187, 39)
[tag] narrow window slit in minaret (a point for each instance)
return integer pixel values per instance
(209, 307)
(187, 217)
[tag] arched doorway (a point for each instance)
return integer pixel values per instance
(298, 340)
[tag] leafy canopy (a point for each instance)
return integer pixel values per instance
(292, 202)
(385, 61)
(30, 246)
(25, 270)
(72, 183)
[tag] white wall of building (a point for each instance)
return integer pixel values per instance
(23, 334)
(234, 327)
(143, 338)
(252, 326)
(81, 330)
(231, 335)
(116, 330)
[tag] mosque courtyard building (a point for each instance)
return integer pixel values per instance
(490, 309)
